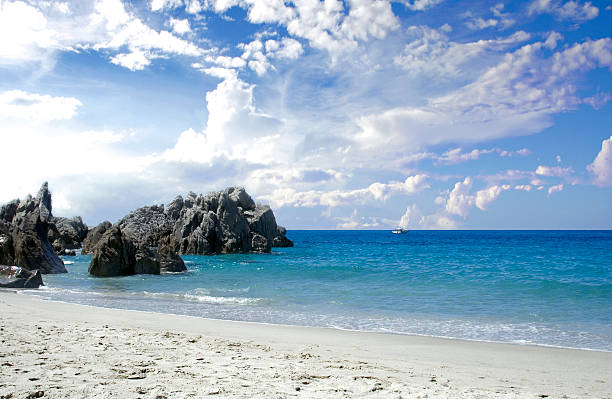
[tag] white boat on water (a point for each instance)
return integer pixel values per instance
(399, 231)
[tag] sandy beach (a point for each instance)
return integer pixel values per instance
(63, 350)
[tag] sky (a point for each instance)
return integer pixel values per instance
(354, 114)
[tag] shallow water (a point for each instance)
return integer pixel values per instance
(532, 287)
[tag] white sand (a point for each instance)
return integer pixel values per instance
(73, 351)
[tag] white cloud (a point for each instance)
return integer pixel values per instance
(374, 192)
(421, 5)
(286, 48)
(25, 33)
(457, 155)
(523, 187)
(459, 200)
(32, 107)
(498, 19)
(431, 52)
(235, 129)
(413, 218)
(158, 5)
(488, 195)
(327, 25)
(601, 168)
(555, 189)
(36, 32)
(515, 97)
(361, 222)
(180, 26)
(137, 60)
(570, 10)
(554, 171)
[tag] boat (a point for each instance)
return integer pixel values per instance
(399, 230)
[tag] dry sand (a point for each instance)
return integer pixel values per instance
(62, 350)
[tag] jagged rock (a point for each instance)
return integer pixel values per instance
(113, 256)
(227, 221)
(150, 239)
(93, 236)
(27, 223)
(17, 277)
(120, 253)
(9, 210)
(7, 251)
(144, 221)
(173, 209)
(67, 234)
(280, 238)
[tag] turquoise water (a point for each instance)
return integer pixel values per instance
(530, 287)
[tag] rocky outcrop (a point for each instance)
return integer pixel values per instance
(150, 239)
(280, 238)
(227, 221)
(113, 255)
(67, 234)
(17, 277)
(121, 253)
(24, 227)
(93, 236)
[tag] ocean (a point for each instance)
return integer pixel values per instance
(550, 288)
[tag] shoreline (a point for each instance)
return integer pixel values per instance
(384, 333)
(139, 353)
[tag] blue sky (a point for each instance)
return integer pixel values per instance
(429, 114)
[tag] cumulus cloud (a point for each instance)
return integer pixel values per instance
(374, 192)
(460, 200)
(35, 32)
(498, 19)
(25, 33)
(555, 189)
(356, 221)
(180, 26)
(488, 195)
(421, 5)
(601, 168)
(32, 107)
(571, 10)
(235, 129)
(332, 25)
(553, 171)
(413, 218)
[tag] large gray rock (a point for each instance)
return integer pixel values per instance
(93, 236)
(120, 253)
(227, 221)
(67, 234)
(113, 255)
(24, 234)
(150, 239)
(17, 277)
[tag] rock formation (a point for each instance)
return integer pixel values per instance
(17, 277)
(119, 252)
(93, 236)
(150, 239)
(227, 221)
(67, 234)
(24, 227)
